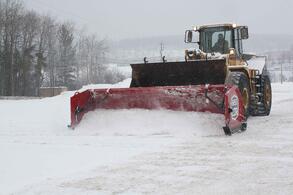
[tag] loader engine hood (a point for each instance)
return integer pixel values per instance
(257, 63)
(197, 72)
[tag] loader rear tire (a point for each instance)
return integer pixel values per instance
(263, 107)
(240, 80)
(267, 91)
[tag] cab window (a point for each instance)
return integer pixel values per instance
(216, 40)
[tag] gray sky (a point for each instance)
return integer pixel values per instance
(119, 19)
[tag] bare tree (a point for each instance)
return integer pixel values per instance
(11, 20)
(29, 32)
(36, 51)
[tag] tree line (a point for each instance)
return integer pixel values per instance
(280, 65)
(36, 50)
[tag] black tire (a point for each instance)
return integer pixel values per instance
(263, 108)
(240, 80)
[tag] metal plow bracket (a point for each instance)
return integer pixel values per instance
(219, 99)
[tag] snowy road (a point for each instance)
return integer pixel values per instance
(143, 152)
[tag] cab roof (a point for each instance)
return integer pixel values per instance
(230, 25)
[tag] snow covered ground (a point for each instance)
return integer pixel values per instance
(143, 152)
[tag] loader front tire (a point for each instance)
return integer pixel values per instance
(240, 80)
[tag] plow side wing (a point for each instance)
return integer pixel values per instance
(234, 111)
(219, 99)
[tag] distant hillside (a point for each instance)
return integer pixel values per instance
(129, 51)
(256, 43)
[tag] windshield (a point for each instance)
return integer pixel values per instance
(218, 39)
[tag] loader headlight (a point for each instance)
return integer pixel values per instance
(232, 51)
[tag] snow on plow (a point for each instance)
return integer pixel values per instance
(220, 99)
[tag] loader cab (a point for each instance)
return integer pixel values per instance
(219, 38)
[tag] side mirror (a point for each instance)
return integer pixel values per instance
(191, 36)
(244, 33)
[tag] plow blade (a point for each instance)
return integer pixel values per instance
(219, 99)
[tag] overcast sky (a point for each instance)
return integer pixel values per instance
(119, 19)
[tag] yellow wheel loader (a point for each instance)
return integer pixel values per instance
(217, 77)
(246, 71)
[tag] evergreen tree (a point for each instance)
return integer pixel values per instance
(66, 70)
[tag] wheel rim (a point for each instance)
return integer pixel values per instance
(245, 98)
(268, 95)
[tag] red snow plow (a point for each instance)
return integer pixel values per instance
(155, 94)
